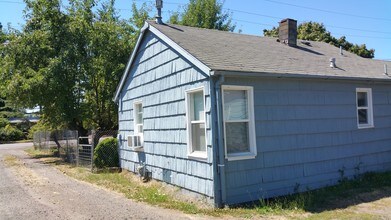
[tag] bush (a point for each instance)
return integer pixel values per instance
(3, 122)
(40, 126)
(106, 153)
(10, 133)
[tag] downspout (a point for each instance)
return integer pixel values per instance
(218, 143)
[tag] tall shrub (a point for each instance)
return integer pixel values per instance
(106, 153)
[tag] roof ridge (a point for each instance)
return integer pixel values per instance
(152, 22)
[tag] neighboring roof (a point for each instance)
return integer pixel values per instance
(219, 51)
(32, 110)
(20, 120)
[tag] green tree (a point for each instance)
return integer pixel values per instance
(7, 110)
(2, 34)
(314, 31)
(204, 14)
(69, 61)
(139, 15)
(9, 132)
(271, 33)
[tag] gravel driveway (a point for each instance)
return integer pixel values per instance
(38, 191)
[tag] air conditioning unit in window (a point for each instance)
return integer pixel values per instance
(135, 142)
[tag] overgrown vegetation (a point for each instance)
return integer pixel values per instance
(317, 32)
(317, 204)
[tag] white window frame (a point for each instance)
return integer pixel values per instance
(369, 108)
(190, 152)
(251, 124)
(135, 125)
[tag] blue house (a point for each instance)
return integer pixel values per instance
(236, 117)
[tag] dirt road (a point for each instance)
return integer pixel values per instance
(34, 190)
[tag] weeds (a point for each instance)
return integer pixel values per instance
(321, 203)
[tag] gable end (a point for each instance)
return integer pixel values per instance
(167, 40)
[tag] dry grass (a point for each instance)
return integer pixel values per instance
(20, 169)
(336, 202)
(11, 161)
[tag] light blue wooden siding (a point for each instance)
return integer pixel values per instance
(159, 78)
(307, 136)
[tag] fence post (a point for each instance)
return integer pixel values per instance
(93, 134)
(77, 148)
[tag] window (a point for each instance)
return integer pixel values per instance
(196, 123)
(239, 126)
(138, 118)
(364, 108)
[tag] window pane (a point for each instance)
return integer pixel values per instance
(363, 116)
(235, 104)
(237, 137)
(362, 99)
(198, 106)
(139, 113)
(198, 136)
(140, 128)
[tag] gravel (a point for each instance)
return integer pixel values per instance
(38, 191)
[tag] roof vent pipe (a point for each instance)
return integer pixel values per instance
(332, 62)
(340, 50)
(385, 69)
(159, 6)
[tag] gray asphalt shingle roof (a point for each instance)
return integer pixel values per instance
(228, 51)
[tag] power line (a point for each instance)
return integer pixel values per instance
(280, 18)
(12, 2)
(253, 13)
(262, 15)
(327, 11)
(252, 22)
(355, 29)
(334, 33)
(361, 36)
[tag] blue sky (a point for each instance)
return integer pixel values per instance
(362, 22)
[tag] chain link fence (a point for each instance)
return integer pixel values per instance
(105, 150)
(79, 150)
(63, 142)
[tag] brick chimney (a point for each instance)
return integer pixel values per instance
(287, 32)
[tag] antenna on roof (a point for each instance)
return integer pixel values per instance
(159, 6)
(340, 50)
(385, 69)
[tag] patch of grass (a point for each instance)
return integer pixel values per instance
(327, 203)
(39, 153)
(343, 195)
(11, 160)
(133, 188)
(343, 215)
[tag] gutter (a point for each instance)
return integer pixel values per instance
(296, 76)
(219, 182)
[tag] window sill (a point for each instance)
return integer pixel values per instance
(365, 126)
(198, 155)
(242, 156)
(138, 149)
